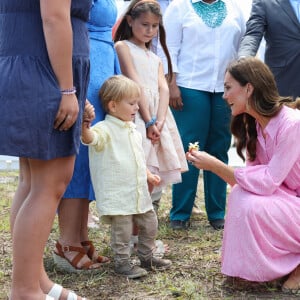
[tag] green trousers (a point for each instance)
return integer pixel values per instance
(205, 118)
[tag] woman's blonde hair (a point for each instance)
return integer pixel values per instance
(118, 88)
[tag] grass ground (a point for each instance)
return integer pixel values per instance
(195, 273)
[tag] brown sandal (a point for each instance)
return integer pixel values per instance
(91, 253)
(63, 263)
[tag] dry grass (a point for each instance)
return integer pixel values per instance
(195, 273)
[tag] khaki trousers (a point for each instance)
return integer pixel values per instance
(121, 232)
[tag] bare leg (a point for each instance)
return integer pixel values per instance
(73, 218)
(84, 237)
(84, 234)
(71, 215)
(70, 221)
(41, 186)
(22, 191)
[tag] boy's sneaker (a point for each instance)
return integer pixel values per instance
(130, 271)
(156, 263)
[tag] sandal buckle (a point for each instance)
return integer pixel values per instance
(66, 249)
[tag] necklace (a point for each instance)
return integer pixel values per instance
(212, 14)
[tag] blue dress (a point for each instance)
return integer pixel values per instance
(29, 91)
(104, 64)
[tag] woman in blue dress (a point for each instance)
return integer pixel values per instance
(44, 66)
(74, 207)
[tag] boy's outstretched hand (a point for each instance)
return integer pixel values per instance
(88, 114)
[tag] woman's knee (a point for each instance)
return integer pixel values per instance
(52, 176)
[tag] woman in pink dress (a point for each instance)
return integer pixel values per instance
(261, 236)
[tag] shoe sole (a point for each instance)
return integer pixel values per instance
(154, 268)
(64, 266)
(290, 291)
(135, 276)
(179, 228)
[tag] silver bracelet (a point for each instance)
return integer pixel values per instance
(70, 91)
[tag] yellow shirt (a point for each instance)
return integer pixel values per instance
(118, 168)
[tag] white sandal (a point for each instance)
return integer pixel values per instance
(56, 291)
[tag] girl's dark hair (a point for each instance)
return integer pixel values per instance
(265, 100)
(134, 10)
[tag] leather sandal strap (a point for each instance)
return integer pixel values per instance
(62, 249)
(80, 254)
(74, 262)
(91, 250)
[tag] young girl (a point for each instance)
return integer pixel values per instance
(161, 141)
(119, 176)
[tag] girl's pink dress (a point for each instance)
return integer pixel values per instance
(262, 229)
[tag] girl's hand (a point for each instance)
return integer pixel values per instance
(160, 125)
(153, 133)
(175, 97)
(67, 112)
(153, 179)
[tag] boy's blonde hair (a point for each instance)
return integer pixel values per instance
(118, 88)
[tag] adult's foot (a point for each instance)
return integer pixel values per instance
(93, 254)
(57, 292)
(180, 225)
(72, 259)
(292, 285)
(217, 224)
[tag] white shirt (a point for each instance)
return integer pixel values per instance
(118, 168)
(199, 53)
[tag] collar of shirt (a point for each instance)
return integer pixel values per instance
(119, 122)
(272, 127)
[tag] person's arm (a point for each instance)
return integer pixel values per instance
(205, 161)
(87, 135)
(175, 94)
(153, 179)
(163, 98)
(59, 41)
(174, 35)
(264, 178)
(128, 69)
(256, 27)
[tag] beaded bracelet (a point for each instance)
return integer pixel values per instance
(70, 91)
(151, 122)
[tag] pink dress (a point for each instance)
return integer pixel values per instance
(166, 158)
(262, 229)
